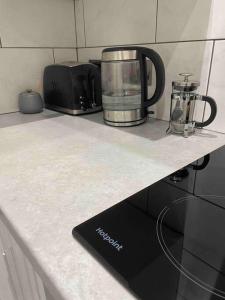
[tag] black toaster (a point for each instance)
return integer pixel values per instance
(73, 88)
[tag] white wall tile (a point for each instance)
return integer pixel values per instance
(217, 86)
(180, 20)
(61, 55)
(191, 57)
(216, 28)
(119, 22)
(21, 69)
(42, 23)
(84, 54)
(80, 24)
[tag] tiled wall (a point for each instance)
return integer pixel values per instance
(33, 33)
(188, 34)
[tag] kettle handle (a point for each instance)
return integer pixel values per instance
(213, 114)
(160, 75)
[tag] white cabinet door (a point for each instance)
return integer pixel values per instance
(25, 282)
(10, 263)
(5, 285)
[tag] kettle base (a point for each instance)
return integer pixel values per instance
(125, 124)
(124, 118)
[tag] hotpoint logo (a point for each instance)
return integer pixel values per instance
(108, 239)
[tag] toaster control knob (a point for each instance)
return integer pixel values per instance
(82, 103)
(83, 106)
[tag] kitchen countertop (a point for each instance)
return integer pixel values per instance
(58, 172)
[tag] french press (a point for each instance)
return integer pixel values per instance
(183, 104)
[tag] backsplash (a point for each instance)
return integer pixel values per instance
(33, 34)
(186, 33)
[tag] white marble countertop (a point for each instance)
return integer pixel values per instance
(58, 172)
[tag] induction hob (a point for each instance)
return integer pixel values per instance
(167, 242)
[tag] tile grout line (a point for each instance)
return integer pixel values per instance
(77, 52)
(209, 77)
(156, 19)
(101, 46)
(53, 54)
(50, 47)
(75, 24)
(210, 67)
(85, 38)
(155, 43)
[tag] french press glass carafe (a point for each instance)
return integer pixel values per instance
(183, 104)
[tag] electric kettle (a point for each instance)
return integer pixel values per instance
(183, 104)
(125, 77)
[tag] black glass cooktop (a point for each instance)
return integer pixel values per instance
(167, 242)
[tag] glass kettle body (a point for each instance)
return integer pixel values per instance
(125, 72)
(183, 105)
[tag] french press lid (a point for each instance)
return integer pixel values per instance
(185, 85)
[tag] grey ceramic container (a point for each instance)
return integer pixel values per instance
(30, 102)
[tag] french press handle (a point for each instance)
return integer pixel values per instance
(213, 107)
(160, 75)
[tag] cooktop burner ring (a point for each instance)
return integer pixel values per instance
(170, 256)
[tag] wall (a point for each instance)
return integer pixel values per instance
(188, 34)
(33, 33)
